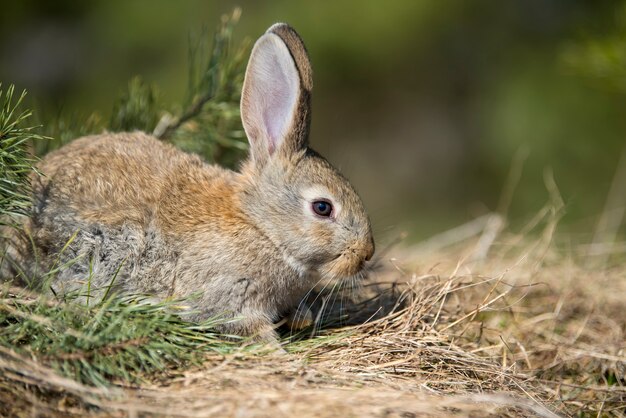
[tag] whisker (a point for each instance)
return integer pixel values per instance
(319, 316)
(335, 291)
(298, 315)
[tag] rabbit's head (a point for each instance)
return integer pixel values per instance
(295, 197)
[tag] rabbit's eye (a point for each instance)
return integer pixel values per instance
(322, 208)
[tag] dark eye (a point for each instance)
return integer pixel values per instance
(322, 208)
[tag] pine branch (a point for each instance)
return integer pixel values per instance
(209, 124)
(16, 163)
(125, 338)
(168, 125)
(137, 109)
(206, 123)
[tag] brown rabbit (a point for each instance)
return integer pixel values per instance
(247, 244)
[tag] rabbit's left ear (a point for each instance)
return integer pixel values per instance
(276, 96)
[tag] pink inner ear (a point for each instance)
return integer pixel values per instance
(273, 87)
(279, 105)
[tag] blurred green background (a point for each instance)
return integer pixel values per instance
(422, 104)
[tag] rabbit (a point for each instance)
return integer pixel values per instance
(127, 213)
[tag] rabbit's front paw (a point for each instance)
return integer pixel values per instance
(300, 318)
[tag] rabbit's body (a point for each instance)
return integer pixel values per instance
(130, 213)
(172, 225)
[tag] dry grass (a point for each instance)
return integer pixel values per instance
(522, 330)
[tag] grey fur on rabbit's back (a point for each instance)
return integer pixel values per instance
(245, 244)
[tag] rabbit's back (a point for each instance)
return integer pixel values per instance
(120, 199)
(112, 178)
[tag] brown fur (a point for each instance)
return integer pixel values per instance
(243, 245)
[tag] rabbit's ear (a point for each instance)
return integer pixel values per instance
(275, 102)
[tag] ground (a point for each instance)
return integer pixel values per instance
(509, 326)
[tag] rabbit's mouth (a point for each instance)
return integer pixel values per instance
(346, 264)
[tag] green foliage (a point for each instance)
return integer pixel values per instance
(16, 164)
(602, 58)
(210, 124)
(123, 338)
(207, 123)
(137, 109)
